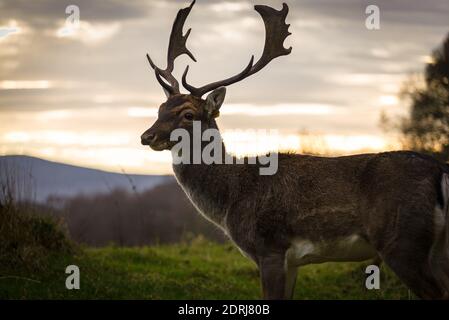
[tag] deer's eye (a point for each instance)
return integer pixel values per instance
(188, 116)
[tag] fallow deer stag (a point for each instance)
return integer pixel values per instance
(392, 205)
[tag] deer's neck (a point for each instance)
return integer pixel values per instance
(206, 185)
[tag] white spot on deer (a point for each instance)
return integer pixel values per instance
(351, 248)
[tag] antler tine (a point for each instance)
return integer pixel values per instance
(176, 47)
(177, 44)
(276, 31)
(171, 90)
(201, 91)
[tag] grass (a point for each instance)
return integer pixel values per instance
(198, 270)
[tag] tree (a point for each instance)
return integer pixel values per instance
(426, 129)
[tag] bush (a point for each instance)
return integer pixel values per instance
(28, 234)
(27, 238)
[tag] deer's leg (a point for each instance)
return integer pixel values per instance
(440, 270)
(273, 276)
(409, 259)
(290, 281)
(439, 256)
(405, 241)
(439, 261)
(420, 257)
(418, 278)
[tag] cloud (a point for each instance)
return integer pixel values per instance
(88, 33)
(235, 6)
(4, 32)
(11, 27)
(25, 84)
(279, 109)
(46, 14)
(364, 79)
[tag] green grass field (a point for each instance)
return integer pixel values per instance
(199, 270)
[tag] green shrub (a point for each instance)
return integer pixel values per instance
(27, 236)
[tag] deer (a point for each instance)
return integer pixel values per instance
(390, 205)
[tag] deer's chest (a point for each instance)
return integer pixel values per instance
(206, 206)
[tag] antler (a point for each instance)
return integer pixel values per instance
(176, 47)
(276, 31)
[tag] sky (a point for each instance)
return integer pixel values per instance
(83, 95)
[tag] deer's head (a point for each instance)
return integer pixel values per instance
(180, 110)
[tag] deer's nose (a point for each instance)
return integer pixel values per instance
(147, 138)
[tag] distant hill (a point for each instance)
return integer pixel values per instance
(46, 178)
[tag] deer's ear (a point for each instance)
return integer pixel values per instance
(214, 101)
